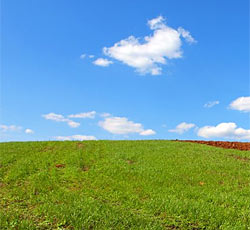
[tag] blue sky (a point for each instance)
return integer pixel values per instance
(170, 70)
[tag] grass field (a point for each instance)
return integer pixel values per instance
(123, 185)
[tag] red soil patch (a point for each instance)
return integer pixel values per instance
(85, 168)
(224, 144)
(60, 165)
(201, 183)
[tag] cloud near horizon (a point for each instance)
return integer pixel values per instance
(121, 125)
(224, 130)
(148, 55)
(147, 132)
(75, 138)
(182, 128)
(29, 131)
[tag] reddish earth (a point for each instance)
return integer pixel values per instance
(224, 144)
(60, 165)
(85, 168)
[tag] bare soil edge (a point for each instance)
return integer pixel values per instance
(223, 144)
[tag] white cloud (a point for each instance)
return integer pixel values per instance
(75, 137)
(224, 130)
(60, 118)
(102, 62)
(11, 128)
(83, 56)
(121, 125)
(14, 128)
(73, 124)
(182, 127)
(54, 117)
(157, 23)
(29, 131)
(210, 104)
(147, 56)
(91, 56)
(84, 115)
(147, 132)
(241, 104)
(186, 35)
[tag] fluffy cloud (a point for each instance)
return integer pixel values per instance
(102, 62)
(224, 130)
(211, 104)
(241, 104)
(156, 23)
(60, 118)
(14, 128)
(147, 56)
(121, 125)
(84, 115)
(75, 137)
(28, 131)
(11, 128)
(182, 127)
(73, 124)
(54, 117)
(147, 132)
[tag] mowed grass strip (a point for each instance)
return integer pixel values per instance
(123, 185)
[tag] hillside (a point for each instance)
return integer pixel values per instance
(123, 185)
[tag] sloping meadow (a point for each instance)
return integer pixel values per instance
(123, 185)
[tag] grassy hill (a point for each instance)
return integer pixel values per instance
(123, 185)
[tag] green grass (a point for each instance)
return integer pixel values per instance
(123, 185)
